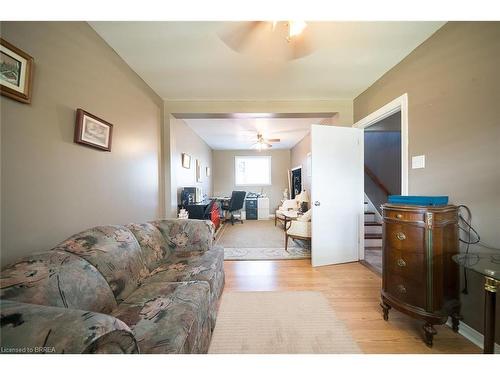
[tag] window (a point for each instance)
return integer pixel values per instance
(252, 170)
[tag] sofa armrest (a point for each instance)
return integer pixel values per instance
(187, 234)
(27, 328)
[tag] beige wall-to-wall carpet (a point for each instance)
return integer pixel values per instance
(453, 84)
(279, 323)
(52, 187)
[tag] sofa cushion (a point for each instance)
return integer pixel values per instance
(154, 248)
(186, 235)
(168, 317)
(185, 266)
(57, 278)
(115, 252)
(49, 329)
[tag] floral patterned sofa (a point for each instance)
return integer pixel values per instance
(140, 288)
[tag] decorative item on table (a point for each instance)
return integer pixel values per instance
(186, 161)
(303, 199)
(16, 72)
(92, 131)
(183, 214)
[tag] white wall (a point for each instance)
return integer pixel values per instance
(185, 140)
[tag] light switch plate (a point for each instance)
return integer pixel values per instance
(418, 162)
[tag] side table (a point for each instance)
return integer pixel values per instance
(488, 265)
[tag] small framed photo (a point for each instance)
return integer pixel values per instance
(16, 72)
(186, 161)
(208, 171)
(92, 131)
(198, 170)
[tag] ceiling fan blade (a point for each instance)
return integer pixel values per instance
(273, 140)
(300, 46)
(238, 35)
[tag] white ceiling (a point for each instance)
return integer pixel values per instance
(188, 60)
(241, 134)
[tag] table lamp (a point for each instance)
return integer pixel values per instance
(303, 199)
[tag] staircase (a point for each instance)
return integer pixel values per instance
(373, 231)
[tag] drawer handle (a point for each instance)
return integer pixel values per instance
(401, 263)
(401, 289)
(399, 216)
(400, 236)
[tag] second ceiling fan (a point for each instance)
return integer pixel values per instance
(264, 143)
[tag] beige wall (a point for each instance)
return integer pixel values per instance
(298, 157)
(452, 81)
(223, 162)
(184, 139)
(52, 187)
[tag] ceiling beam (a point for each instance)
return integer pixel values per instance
(251, 115)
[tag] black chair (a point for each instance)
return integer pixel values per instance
(235, 204)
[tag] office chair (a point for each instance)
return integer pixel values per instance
(235, 204)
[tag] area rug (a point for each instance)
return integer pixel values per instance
(279, 323)
(259, 240)
(266, 253)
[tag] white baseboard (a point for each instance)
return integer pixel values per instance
(472, 335)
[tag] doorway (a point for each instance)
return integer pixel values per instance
(385, 157)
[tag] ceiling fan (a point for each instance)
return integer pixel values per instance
(263, 143)
(274, 40)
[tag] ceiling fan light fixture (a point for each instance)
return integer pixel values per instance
(295, 28)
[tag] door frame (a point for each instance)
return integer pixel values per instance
(398, 104)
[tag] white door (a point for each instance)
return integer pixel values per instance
(337, 194)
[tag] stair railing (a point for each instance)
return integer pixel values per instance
(376, 181)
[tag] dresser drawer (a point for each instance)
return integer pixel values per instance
(406, 290)
(403, 215)
(407, 264)
(404, 236)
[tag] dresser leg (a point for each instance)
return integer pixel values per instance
(455, 321)
(385, 308)
(429, 334)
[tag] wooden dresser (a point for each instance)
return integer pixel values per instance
(419, 277)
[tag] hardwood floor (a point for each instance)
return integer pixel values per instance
(353, 292)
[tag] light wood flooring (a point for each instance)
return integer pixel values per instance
(353, 292)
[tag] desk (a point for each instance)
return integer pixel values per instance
(197, 210)
(488, 265)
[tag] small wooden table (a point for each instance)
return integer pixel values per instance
(488, 265)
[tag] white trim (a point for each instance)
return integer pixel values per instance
(398, 104)
(298, 167)
(472, 335)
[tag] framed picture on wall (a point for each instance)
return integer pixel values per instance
(92, 131)
(186, 160)
(198, 170)
(16, 72)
